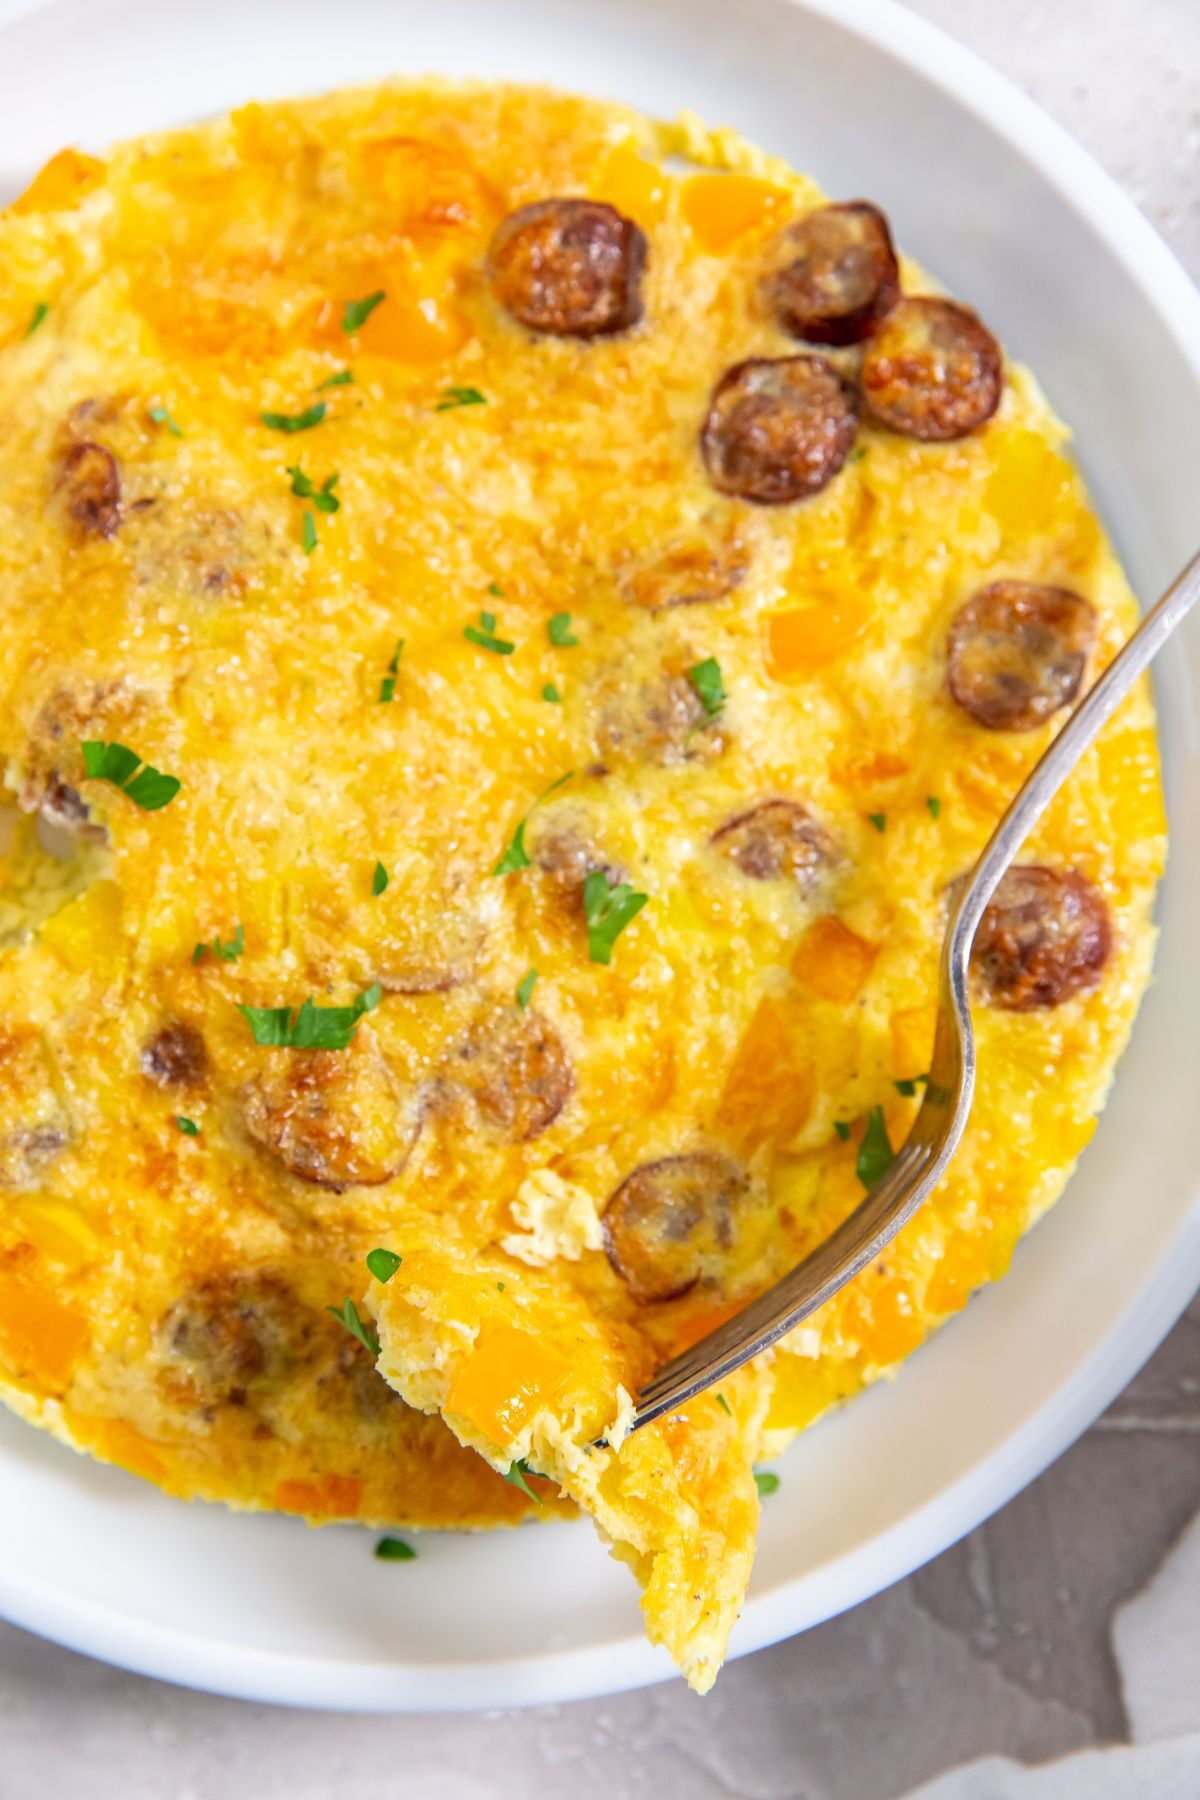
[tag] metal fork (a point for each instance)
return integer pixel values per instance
(951, 1085)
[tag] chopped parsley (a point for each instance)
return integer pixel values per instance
(934, 805)
(379, 879)
(308, 535)
(145, 786)
(875, 1153)
(460, 396)
(495, 588)
(310, 1027)
(841, 1126)
(723, 1403)
(608, 909)
(558, 630)
(40, 312)
(878, 820)
(347, 1314)
(355, 313)
(394, 1549)
(706, 680)
(525, 989)
(499, 1287)
(517, 1475)
(343, 378)
(766, 1481)
(302, 421)
(483, 634)
(161, 416)
(551, 693)
(223, 952)
(383, 1264)
(857, 455)
(323, 497)
(188, 1127)
(909, 1088)
(387, 687)
(516, 856)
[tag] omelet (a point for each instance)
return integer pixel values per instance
(514, 618)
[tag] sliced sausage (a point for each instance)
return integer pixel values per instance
(1045, 936)
(419, 978)
(932, 370)
(840, 275)
(572, 268)
(778, 429)
(352, 1385)
(64, 808)
(90, 483)
(517, 1071)
(28, 1151)
(1017, 652)
(566, 856)
(693, 572)
(101, 710)
(175, 1057)
(234, 1330)
(672, 1223)
(661, 722)
(776, 841)
(34, 1128)
(334, 1118)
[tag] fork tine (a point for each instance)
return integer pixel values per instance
(783, 1306)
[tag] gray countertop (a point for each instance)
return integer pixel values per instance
(1004, 1644)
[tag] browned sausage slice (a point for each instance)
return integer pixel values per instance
(692, 572)
(660, 722)
(34, 1127)
(175, 1057)
(90, 484)
(932, 370)
(517, 1070)
(572, 268)
(776, 841)
(333, 1117)
(840, 276)
(673, 1222)
(567, 857)
(778, 429)
(235, 1329)
(1045, 936)
(1017, 652)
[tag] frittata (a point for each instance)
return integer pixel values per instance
(513, 618)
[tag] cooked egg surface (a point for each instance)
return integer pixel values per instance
(589, 642)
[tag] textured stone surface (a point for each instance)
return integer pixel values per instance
(1001, 1645)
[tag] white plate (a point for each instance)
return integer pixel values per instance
(1014, 217)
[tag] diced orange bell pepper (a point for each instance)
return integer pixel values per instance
(768, 1092)
(912, 1041)
(808, 638)
(721, 209)
(331, 1497)
(509, 1377)
(632, 184)
(61, 183)
(38, 1334)
(833, 961)
(123, 1444)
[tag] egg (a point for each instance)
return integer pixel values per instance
(515, 616)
